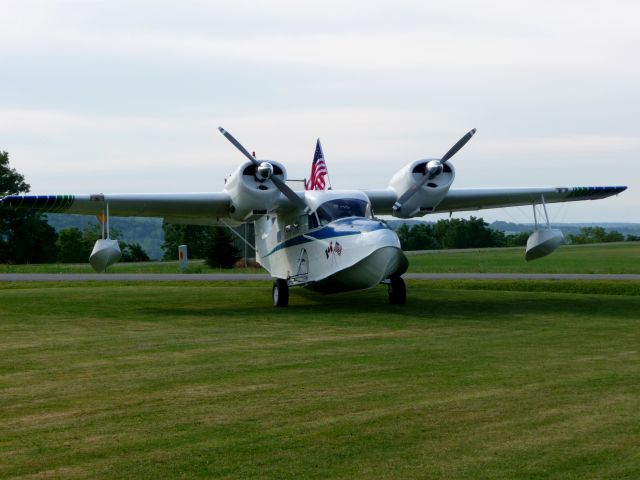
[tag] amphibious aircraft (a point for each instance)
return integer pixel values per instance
(330, 241)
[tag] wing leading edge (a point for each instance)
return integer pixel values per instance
(482, 198)
(470, 199)
(193, 208)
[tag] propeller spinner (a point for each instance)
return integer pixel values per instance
(264, 171)
(432, 170)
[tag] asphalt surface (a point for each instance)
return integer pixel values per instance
(223, 277)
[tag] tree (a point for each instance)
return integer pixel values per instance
(221, 251)
(25, 236)
(403, 233)
(596, 235)
(614, 236)
(418, 237)
(71, 246)
(214, 244)
(194, 236)
(517, 239)
(11, 182)
(455, 233)
(133, 252)
(75, 246)
(462, 233)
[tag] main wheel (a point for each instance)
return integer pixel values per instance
(397, 291)
(280, 293)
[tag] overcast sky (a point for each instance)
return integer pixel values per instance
(126, 96)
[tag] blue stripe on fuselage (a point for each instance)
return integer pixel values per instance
(338, 228)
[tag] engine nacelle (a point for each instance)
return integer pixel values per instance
(427, 198)
(250, 197)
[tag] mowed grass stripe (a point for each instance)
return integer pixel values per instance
(601, 258)
(197, 380)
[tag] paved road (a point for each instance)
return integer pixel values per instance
(223, 277)
(520, 276)
(129, 277)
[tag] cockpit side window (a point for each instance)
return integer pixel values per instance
(313, 221)
(341, 208)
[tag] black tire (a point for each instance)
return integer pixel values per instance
(280, 293)
(397, 291)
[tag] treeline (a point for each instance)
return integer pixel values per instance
(145, 231)
(74, 245)
(213, 244)
(456, 233)
(600, 235)
(30, 239)
(476, 233)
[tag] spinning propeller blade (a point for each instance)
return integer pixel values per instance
(239, 146)
(406, 196)
(290, 194)
(459, 144)
(280, 184)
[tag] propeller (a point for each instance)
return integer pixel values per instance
(432, 170)
(264, 171)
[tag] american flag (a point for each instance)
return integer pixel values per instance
(318, 171)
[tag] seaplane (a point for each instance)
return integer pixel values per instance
(331, 241)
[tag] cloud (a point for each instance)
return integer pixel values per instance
(449, 38)
(574, 145)
(127, 95)
(375, 141)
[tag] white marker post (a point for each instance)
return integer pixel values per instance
(183, 257)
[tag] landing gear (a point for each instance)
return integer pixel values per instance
(397, 291)
(280, 293)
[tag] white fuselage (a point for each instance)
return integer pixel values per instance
(332, 255)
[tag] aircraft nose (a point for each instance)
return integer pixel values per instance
(386, 257)
(382, 233)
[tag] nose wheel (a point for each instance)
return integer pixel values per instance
(280, 293)
(397, 291)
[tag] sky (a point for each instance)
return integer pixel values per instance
(126, 96)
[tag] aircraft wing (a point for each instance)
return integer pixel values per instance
(463, 199)
(191, 208)
(481, 198)
(210, 208)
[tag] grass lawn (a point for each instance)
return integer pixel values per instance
(468, 380)
(195, 266)
(602, 258)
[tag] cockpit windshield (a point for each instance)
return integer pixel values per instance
(341, 208)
